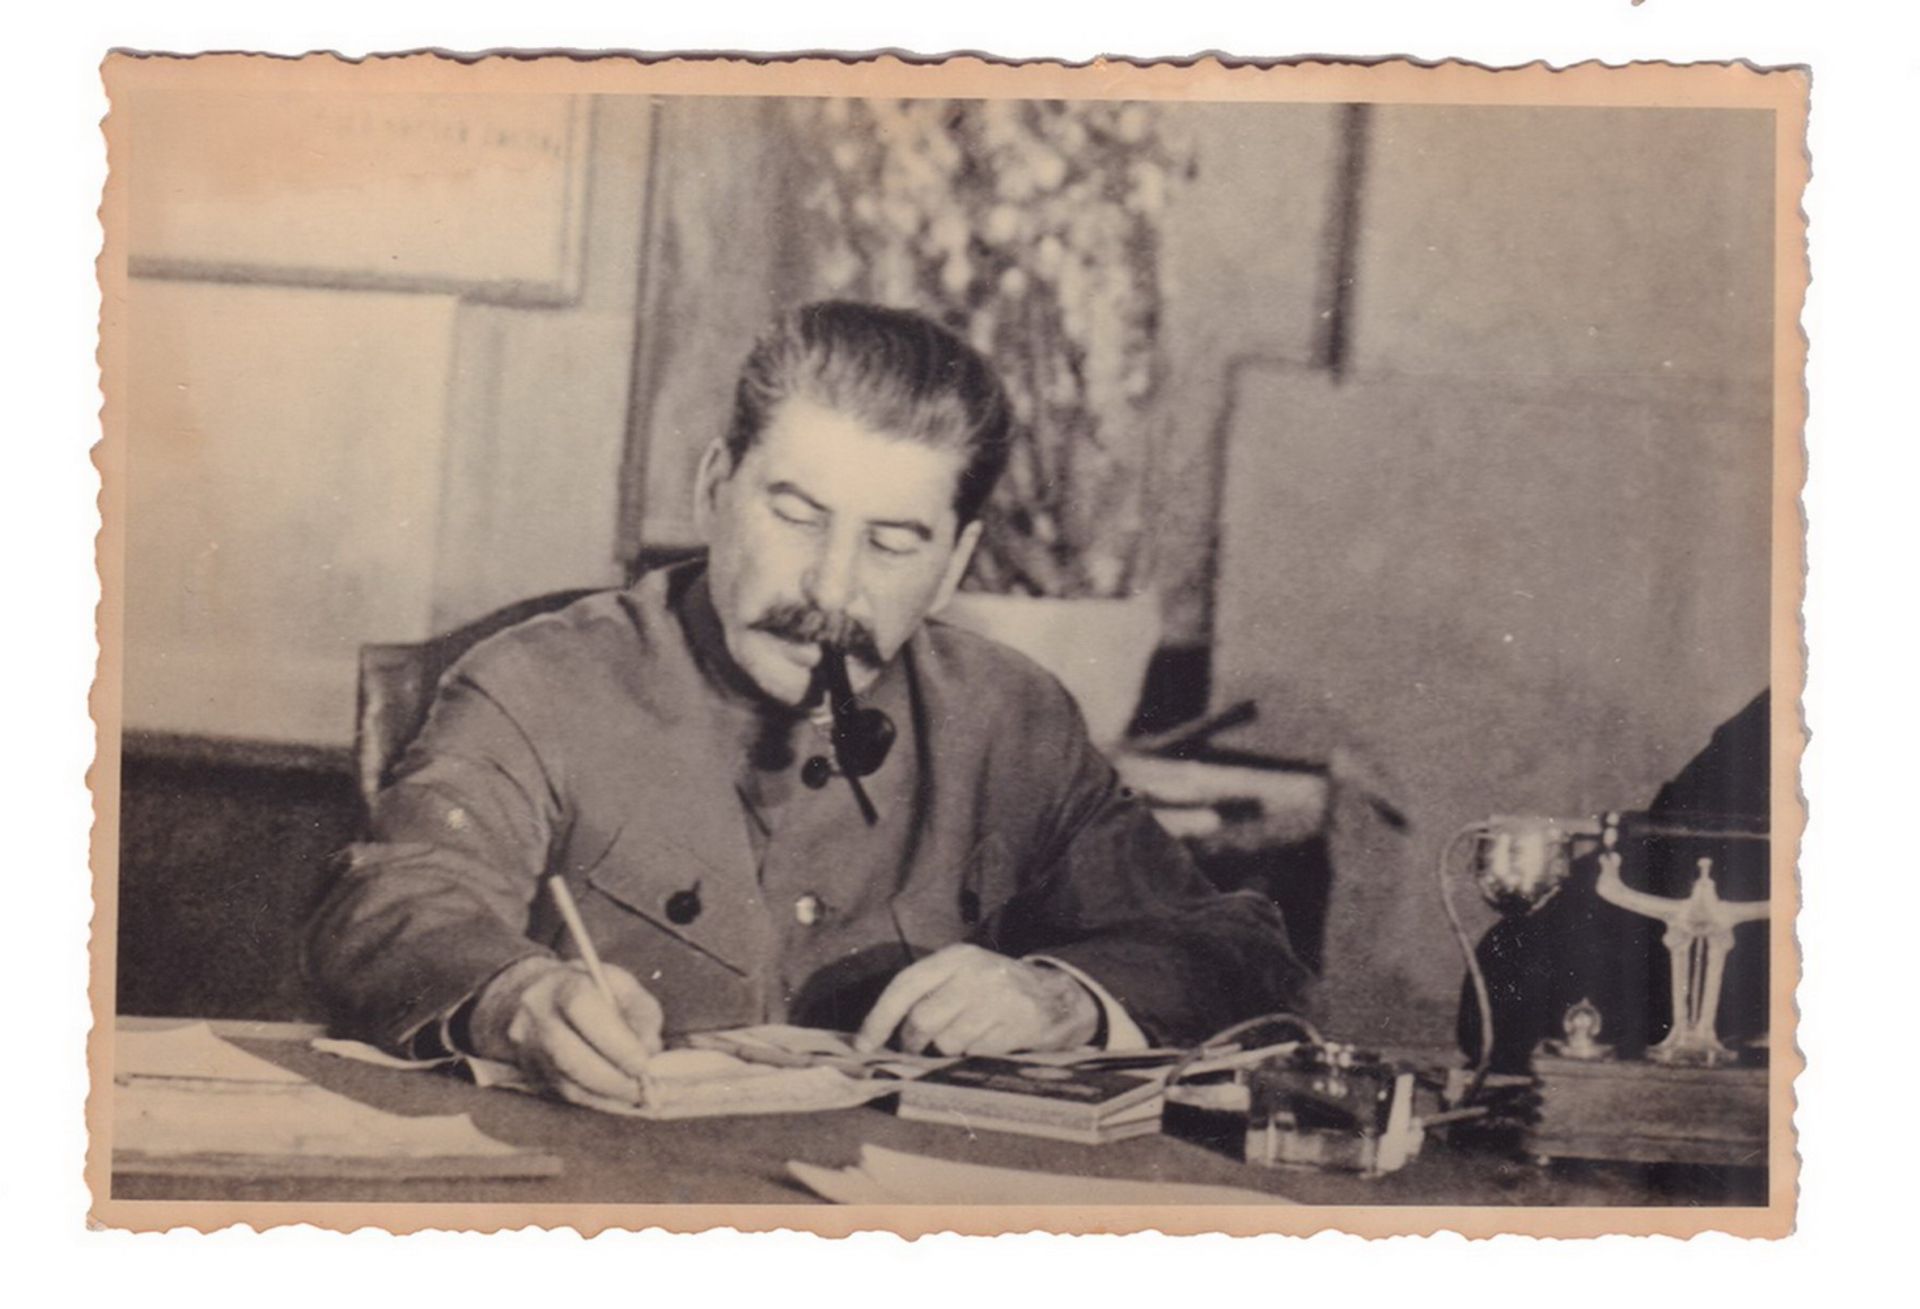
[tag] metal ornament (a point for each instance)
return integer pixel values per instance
(1699, 937)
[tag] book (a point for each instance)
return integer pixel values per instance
(1089, 1105)
(1142, 1121)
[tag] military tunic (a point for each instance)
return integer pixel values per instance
(715, 855)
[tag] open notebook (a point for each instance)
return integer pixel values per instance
(769, 1069)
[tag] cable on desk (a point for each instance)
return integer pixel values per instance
(1480, 993)
(1222, 1043)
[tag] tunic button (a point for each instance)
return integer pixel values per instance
(816, 772)
(807, 909)
(683, 906)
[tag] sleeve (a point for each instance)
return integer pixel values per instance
(438, 899)
(1109, 893)
(1117, 1032)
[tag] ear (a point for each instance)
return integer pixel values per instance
(963, 550)
(716, 466)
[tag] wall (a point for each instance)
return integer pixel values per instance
(284, 462)
(312, 467)
(1517, 559)
(540, 407)
(1242, 265)
(316, 466)
(719, 266)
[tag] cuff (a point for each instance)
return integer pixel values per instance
(451, 1035)
(1121, 1033)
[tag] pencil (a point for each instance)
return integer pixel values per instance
(570, 914)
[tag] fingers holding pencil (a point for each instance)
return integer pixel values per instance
(578, 1039)
(634, 1011)
(585, 1029)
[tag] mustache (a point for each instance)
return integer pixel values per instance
(793, 620)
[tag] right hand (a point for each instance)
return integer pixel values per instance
(553, 1023)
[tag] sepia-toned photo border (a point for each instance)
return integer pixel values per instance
(1784, 92)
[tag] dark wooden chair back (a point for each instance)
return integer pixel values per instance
(398, 681)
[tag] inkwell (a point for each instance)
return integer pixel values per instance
(861, 735)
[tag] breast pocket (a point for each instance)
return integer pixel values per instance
(710, 911)
(682, 929)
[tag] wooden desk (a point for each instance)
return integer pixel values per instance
(742, 1160)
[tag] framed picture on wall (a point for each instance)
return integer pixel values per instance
(480, 196)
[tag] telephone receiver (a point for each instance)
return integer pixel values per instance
(861, 735)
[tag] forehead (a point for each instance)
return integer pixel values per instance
(850, 467)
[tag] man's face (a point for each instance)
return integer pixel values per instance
(828, 530)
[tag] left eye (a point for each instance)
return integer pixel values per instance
(791, 511)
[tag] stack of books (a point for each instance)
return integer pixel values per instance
(1088, 1105)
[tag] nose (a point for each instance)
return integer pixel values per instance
(831, 580)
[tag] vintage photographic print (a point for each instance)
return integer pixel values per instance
(952, 645)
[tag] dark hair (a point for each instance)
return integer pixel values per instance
(899, 373)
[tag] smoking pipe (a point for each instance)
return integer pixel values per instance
(861, 736)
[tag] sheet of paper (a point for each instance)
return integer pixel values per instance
(297, 1120)
(190, 1051)
(184, 1099)
(894, 1177)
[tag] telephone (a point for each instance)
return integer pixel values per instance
(1573, 935)
(1628, 976)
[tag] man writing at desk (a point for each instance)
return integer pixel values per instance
(745, 844)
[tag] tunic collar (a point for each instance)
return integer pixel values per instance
(762, 735)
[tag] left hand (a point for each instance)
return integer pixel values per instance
(966, 1000)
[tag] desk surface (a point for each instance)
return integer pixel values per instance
(612, 1160)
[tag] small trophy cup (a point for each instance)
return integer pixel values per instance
(1520, 863)
(1699, 938)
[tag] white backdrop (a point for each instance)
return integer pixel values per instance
(1860, 1160)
